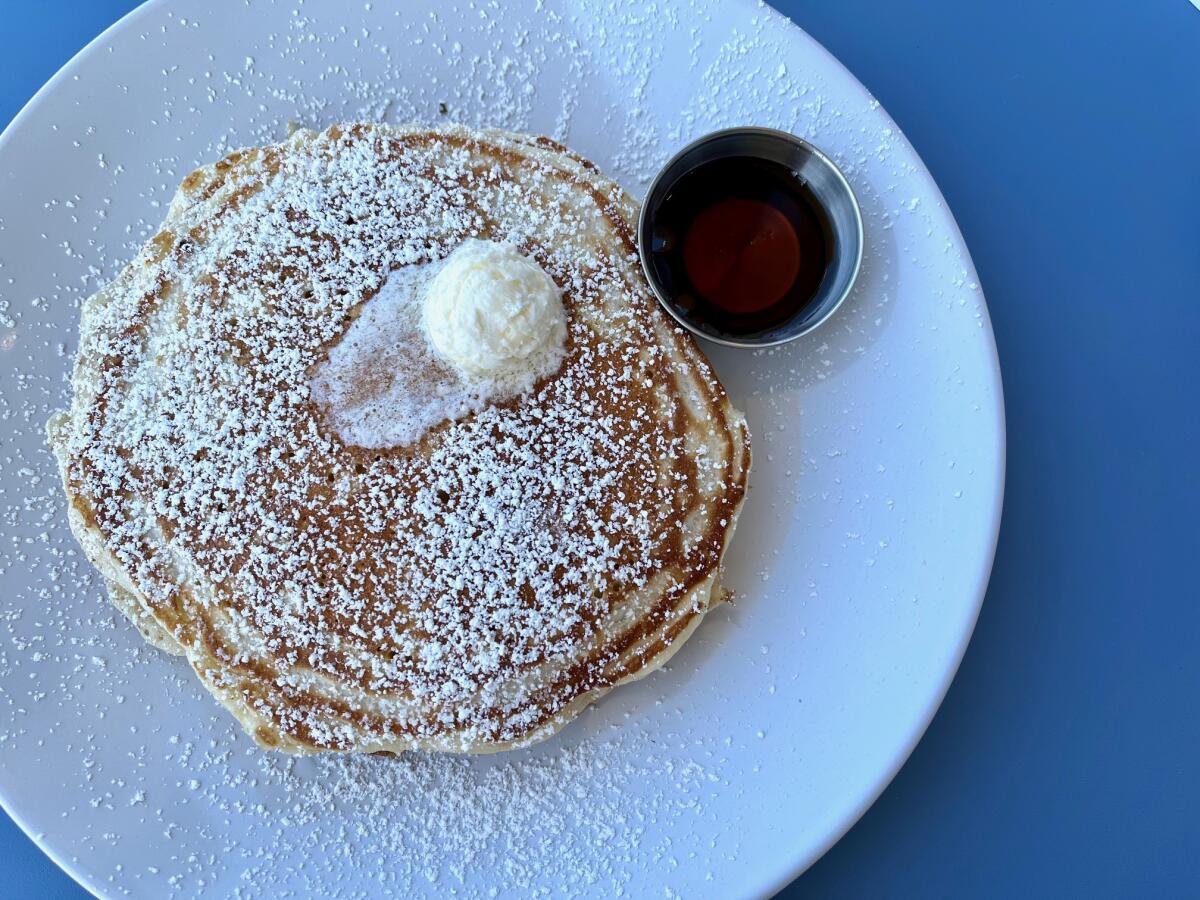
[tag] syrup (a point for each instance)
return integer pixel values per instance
(741, 244)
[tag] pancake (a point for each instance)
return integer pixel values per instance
(470, 590)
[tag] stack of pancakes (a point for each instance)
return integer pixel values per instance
(471, 591)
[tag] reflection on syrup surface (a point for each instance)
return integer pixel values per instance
(741, 244)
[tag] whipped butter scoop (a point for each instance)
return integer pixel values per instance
(439, 341)
(489, 312)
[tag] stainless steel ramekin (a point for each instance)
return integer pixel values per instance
(823, 179)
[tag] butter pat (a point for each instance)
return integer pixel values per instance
(493, 313)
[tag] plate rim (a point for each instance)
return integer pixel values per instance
(806, 859)
(920, 726)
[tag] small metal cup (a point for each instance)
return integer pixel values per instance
(827, 184)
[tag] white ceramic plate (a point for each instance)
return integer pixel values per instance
(860, 562)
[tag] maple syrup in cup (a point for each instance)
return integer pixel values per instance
(750, 237)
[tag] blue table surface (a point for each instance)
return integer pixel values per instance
(1065, 135)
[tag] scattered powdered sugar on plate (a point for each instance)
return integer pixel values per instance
(633, 798)
(563, 822)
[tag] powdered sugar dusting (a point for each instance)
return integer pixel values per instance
(465, 597)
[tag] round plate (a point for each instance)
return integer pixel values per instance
(858, 568)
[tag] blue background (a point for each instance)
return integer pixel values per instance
(1066, 137)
